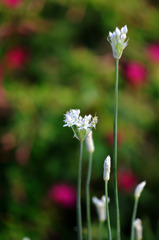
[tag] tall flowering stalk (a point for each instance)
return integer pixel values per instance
(118, 43)
(81, 127)
(90, 148)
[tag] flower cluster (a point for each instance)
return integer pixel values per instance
(117, 41)
(81, 126)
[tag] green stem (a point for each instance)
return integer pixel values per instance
(88, 196)
(133, 219)
(107, 211)
(115, 150)
(100, 230)
(79, 214)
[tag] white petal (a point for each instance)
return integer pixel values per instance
(124, 29)
(117, 31)
(123, 36)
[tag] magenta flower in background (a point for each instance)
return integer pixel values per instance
(126, 180)
(64, 194)
(153, 52)
(16, 58)
(135, 73)
(11, 3)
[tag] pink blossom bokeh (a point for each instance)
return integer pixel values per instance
(135, 73)
(153, 52)
(64, 194)
(16, 58)
(11, 3)
(126, 180)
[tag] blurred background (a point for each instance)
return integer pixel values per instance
(54, 56)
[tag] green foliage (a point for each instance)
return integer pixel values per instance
(67, 63)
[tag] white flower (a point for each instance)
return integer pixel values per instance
(101, 207)
(138, 228)
(25, 238)
(80, 126)
(71, 117)
(139, 189)
(117, 41)
(107, 165)
(89, 143)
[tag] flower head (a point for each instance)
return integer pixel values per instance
(101, 207)
(107, 164)
(117, 41)
(89, 143)
(139, 189)
(138, 227)
(81, 126)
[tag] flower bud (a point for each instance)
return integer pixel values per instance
(138, 228)
(107, 165)
(117, 31)
(101, 207)
(139, 189)
(89, 143)
(124, 29)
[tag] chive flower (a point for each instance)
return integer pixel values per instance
(81, 126)
(118, 42)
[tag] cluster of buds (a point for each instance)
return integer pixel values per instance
(117, 39)
(81, 126)
(139, 189)
(101, 207)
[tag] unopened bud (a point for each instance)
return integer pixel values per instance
(101, 207)
(138, 228)
(139, 189)
(89, 143)
(107, 165)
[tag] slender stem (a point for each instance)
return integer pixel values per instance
(79, 214)
(107, 211)
(100, 230)
(88, 196)
(115, 150)
(133, 219)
